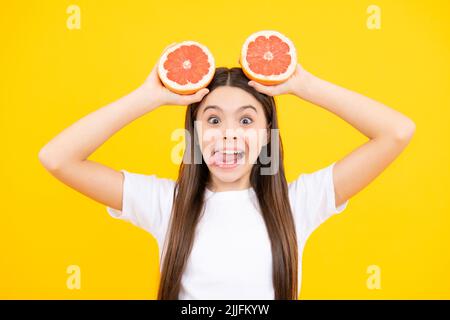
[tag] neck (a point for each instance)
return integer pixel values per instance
(217, 185)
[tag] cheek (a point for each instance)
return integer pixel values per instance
(205, 135)
(207, 142)
(257, 136)
(254, 141)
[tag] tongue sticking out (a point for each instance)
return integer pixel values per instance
(230, 159)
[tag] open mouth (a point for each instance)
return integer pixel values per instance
(227, 158)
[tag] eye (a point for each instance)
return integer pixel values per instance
(213, 120)
(246, 120)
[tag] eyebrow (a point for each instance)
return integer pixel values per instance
(239, 109)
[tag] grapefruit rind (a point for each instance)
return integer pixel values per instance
(189, 88)
(271, 79)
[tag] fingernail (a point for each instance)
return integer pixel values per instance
(250, 83)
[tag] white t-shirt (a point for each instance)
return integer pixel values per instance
(231, 256)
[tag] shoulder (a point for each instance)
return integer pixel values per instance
(312, 199)
(147, 201)
(309, 185)
(141, 182)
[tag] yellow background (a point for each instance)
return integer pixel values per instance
(52, 76)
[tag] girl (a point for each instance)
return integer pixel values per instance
(228, 228)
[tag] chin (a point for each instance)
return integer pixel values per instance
(228, 174)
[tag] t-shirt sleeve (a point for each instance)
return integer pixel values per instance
(146, 202)
(312, 198)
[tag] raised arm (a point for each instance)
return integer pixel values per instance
(388, 130)
(66, 155)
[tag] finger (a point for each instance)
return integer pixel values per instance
(199, 95)
(262, 88)
(155, 67)
(154, 72)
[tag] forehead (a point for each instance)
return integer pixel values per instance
(229, 99)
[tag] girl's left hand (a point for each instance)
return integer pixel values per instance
(293, 85)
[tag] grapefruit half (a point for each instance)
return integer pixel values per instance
(186, 67)
(268, 57)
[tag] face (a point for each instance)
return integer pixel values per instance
(232, 129)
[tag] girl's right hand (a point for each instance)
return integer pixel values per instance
(164, 96)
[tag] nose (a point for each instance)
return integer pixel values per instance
(229, 135)
(232, 139)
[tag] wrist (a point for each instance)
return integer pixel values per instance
(304, 85)
(147, 97)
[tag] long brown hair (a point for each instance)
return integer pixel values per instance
(271, 191)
